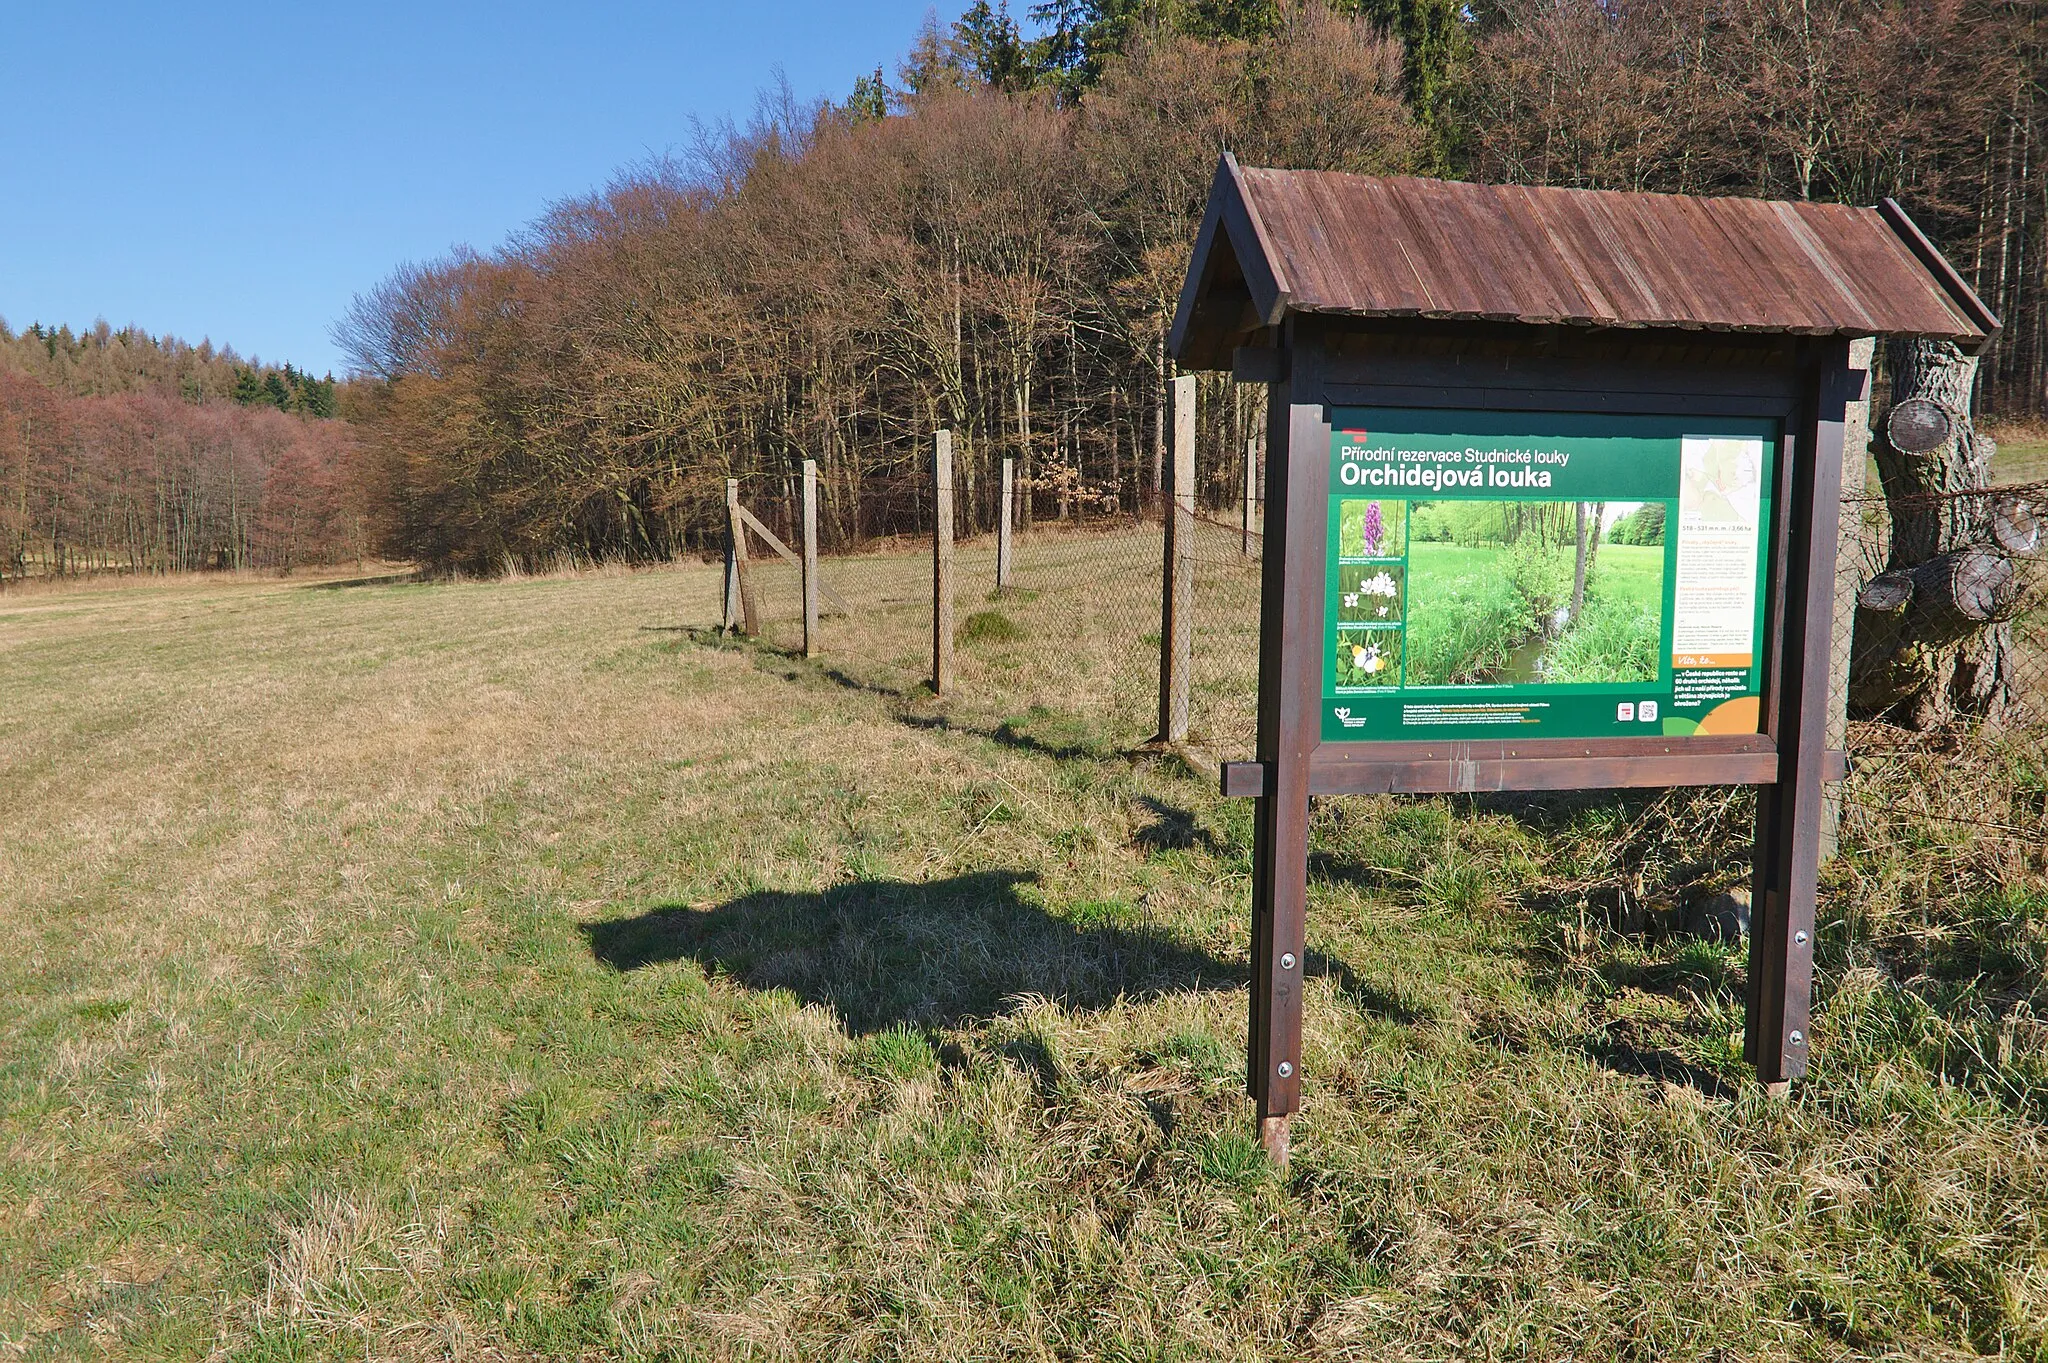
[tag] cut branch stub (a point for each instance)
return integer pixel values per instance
(1918, 426)
(1887, 593)
(1961, 591)
(2015, 526)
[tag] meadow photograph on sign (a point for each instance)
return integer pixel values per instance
(1371, 528)
(1368, 657)
(1369, 593)
(1512, 593)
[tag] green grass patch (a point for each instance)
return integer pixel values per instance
(990, 627)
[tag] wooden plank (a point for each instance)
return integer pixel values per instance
(942, 565)
(790, 556)
(810, 562)
(1240, 780)
(1788, 821)
(1502, 749)
(1257, 364)
(1937, 265)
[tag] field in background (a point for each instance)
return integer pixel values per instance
(519, 970)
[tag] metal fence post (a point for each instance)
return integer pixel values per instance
(1177, 592)
(810, 558)
(1003, 525)
(942, 565)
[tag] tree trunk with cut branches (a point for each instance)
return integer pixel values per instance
(1932, 639)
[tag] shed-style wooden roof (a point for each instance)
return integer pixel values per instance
(1280, 241)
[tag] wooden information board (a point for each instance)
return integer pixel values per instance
(1552, 502)
(1544, 575)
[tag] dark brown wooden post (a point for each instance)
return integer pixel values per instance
(1004, 521)
(810, 566)
(1177, 591)
(1789, 814)
(1291, 592)
(741, 582)
(942, 565)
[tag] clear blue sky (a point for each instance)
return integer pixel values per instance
(240, 172)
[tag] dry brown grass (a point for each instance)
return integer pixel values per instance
(514, 969)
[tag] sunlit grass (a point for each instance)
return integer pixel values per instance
(519, 970)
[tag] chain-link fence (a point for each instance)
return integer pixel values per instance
(1940, 684)
(1073, 645)
(1066, 655)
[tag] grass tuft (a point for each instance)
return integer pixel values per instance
(990, 627)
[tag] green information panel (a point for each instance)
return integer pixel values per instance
(1514, 575)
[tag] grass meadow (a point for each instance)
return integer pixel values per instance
(1476, 613)
(520, 970)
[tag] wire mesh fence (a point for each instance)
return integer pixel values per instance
(1944, 714)
(1076, 636)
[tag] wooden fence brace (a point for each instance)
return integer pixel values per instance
(942, 565)
(794, 559)
(1004, 519)
(1251, 492)
(740, 609)
(1177, 590)
(810, 563)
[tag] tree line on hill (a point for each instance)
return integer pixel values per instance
(121, 451)
(994, 242)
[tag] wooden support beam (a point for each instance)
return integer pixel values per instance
(790, 556)
(942, 565)
(1291, 601)
(1335, 772)
(1789, 814)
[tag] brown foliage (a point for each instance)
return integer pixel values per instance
(836, 287)
(142, 482)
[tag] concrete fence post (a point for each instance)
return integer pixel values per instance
(942, 565)
(739, 584)
(1004, 522)
(1251, 493)
(1177, 590)
(810, 531)
(1853, 552)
